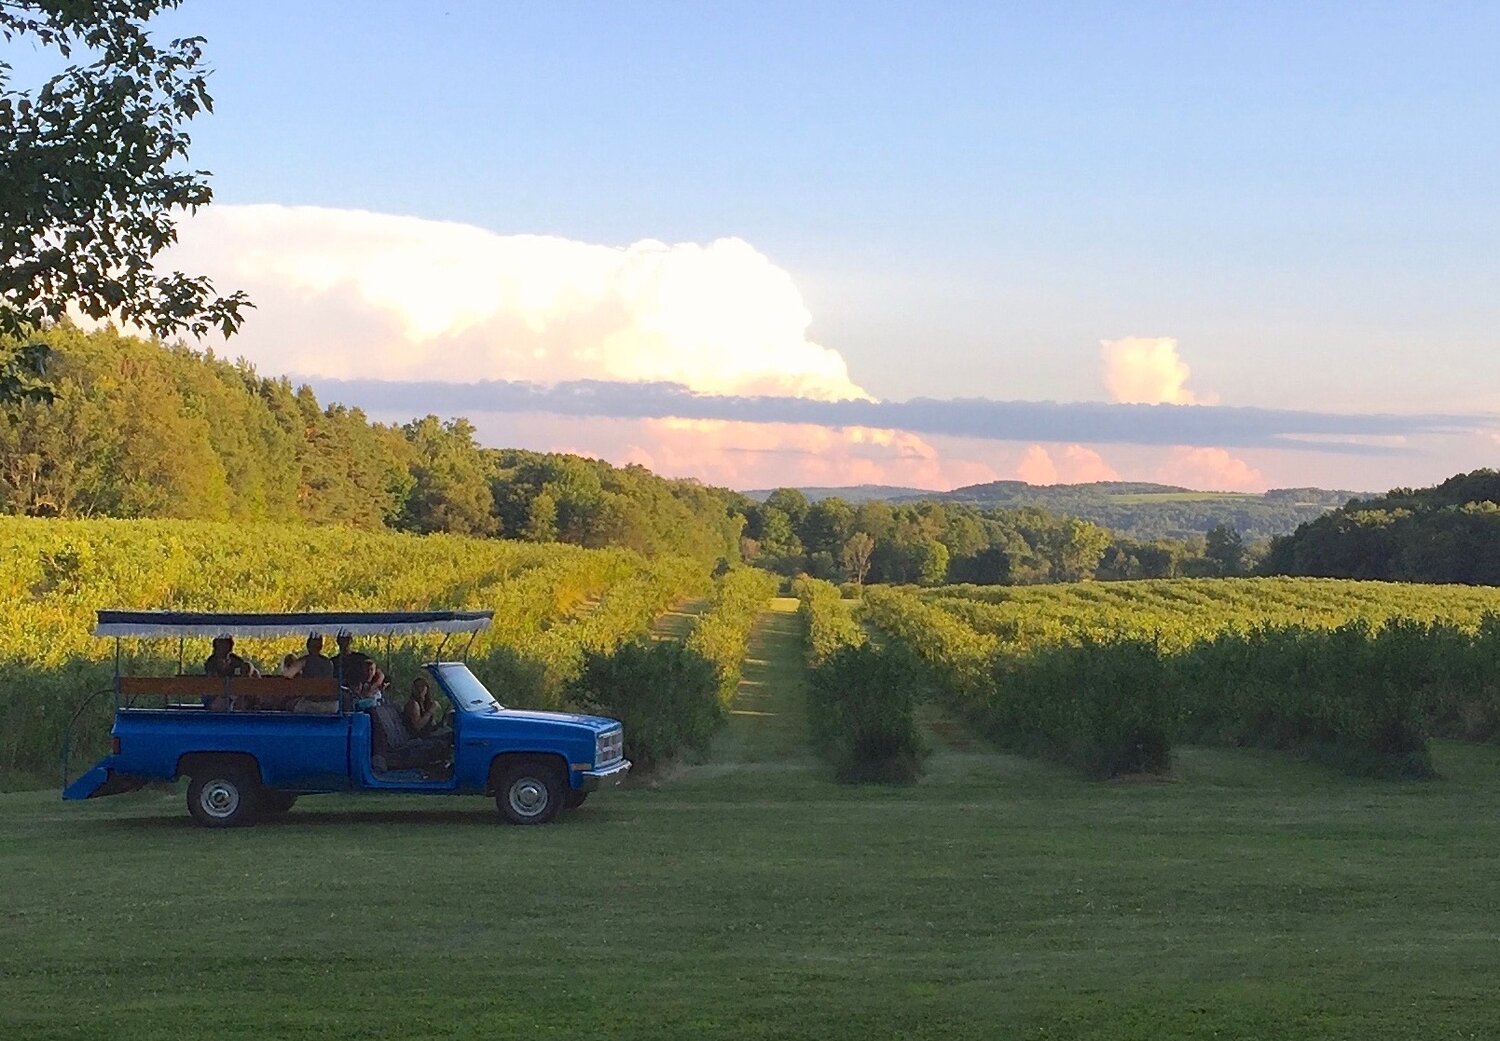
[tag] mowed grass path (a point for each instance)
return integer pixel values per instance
(679, 621)
(1254, 897)
(768, 719)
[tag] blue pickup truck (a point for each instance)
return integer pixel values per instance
(251, 745)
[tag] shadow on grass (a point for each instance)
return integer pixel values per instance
(479, 816)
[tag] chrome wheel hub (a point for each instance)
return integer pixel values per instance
(219, 799)
(528, 797)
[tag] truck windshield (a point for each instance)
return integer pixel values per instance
(466, 689)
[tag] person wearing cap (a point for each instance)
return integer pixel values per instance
(224, 662)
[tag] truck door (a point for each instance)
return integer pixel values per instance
(310, 753)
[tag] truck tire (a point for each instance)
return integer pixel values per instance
(274, 803)
(573, 800)
(530, 791)
(223, 795)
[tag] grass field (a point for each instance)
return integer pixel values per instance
(750, 897)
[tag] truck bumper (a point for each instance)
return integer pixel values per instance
(103, 780)
(593, 780)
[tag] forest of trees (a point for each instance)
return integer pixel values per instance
(936, 542)
(130, 428)
(117, 426)
(1155, 511)
(1449, 533)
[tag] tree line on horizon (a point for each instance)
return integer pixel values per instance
(1447, 533)
(109, 425)
(124, 427)
(935, 543)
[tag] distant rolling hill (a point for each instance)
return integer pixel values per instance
(855, 493)
(1136, 509)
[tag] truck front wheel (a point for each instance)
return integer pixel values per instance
(223, 796)
(530, 791)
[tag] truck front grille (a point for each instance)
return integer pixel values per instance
(609, 747)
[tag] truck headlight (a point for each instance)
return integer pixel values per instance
(608, 747)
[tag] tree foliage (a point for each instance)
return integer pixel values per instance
(930, 543)
(1224, 547)
(116, 426)
(129, 428)
(1447, 533)
(90, 171)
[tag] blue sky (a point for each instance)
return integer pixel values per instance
(968, 198)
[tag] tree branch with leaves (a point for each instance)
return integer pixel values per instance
(91, 175)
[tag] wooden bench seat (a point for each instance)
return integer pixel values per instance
(172, 686)
(265, 690)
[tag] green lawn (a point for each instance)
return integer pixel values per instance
(750, 897)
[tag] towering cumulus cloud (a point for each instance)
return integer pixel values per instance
(694, 358)
(1142, 370)
(342, 292)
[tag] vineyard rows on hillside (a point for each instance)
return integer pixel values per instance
(1110, 677)
(674, 696)
(1182, 611)
(553, 605)
(861, 696)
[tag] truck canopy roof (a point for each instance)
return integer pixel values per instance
(358, 623)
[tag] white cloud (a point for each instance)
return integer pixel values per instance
(1036, 466)
(350, 293)
(1081, 465)
(1066, 464)
(1210, 469)
(1147, 371)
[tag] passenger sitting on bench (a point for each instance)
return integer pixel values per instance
(351, 664)
(365, 689)
(313, 665)
(224, 662)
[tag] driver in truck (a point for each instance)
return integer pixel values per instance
(420, 712)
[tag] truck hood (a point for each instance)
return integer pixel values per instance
(598, 724)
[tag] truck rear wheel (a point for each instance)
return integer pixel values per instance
(530, 791)
(223, 796)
